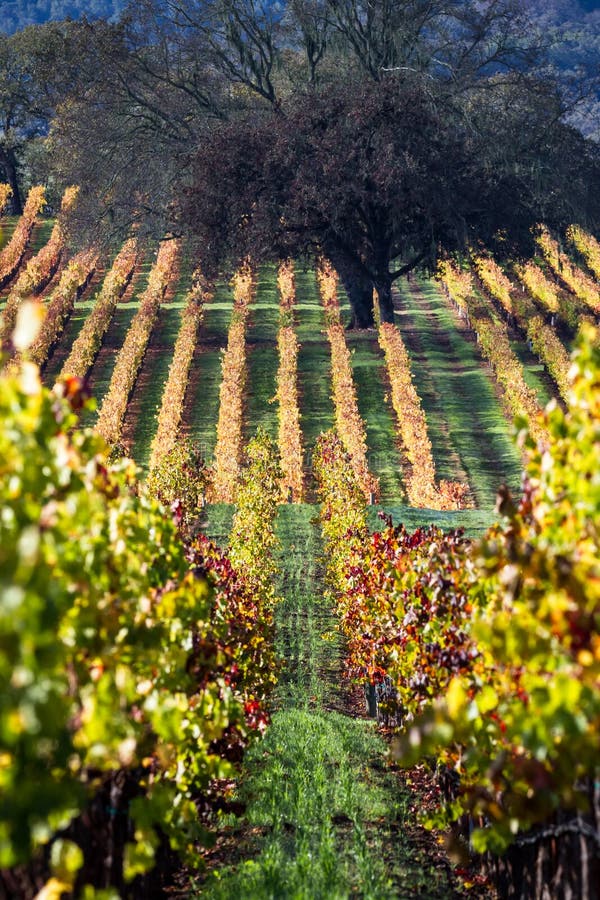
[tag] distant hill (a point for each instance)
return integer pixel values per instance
(16, 14)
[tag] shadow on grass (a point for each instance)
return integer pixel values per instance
(463, 395)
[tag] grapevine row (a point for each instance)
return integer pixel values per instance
(543, 339)
(169, 418)
(25, 286)
(342, 506)
(40, 270)
(485, 657)
(73, 281)
(129, 360)
(12, 255)
(5, 195)
(85, 347)
(421, 484)
(406, 656)
(576, 280)
(524, 710)
(349, 422)
(290, 434)
(228, 450)
(587, 245)
(547, 294)
(136, 667)
(492, 337)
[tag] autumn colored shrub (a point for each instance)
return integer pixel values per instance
(179, 479)
(343, 513)
(521, 728)
(405, 612)
(421, 485)
(348, 420)
(587, 245)
(252, 539)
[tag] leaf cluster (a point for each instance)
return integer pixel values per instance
(521, 728)
(121, 658)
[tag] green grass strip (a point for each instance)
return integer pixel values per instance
(426, 377)
(383, 457)
(140, 420)
(261, 410)
(217, 522)
(40, 235)
(314, 360)
(201, 407)
(474, 521)
(535, 373)
(218, 316)
(264, 312)
(101, 372)
(310, 314)
(71, 330)
(262, 358)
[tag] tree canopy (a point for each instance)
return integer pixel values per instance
(375, 131)
(381, 175)
(17, 14)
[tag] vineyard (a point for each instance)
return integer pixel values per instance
(297, 590)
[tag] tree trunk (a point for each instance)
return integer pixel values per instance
(384, 295)
(8, 163)
(359, 288)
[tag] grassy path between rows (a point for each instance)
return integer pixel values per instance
(140, 423)
(535, 373)
(101, 372)
(325, 819)
(314, 362)
(374, 403)
(262, 356)
(201, 407)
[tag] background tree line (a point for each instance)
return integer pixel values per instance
(17, 14)
(377, 132)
